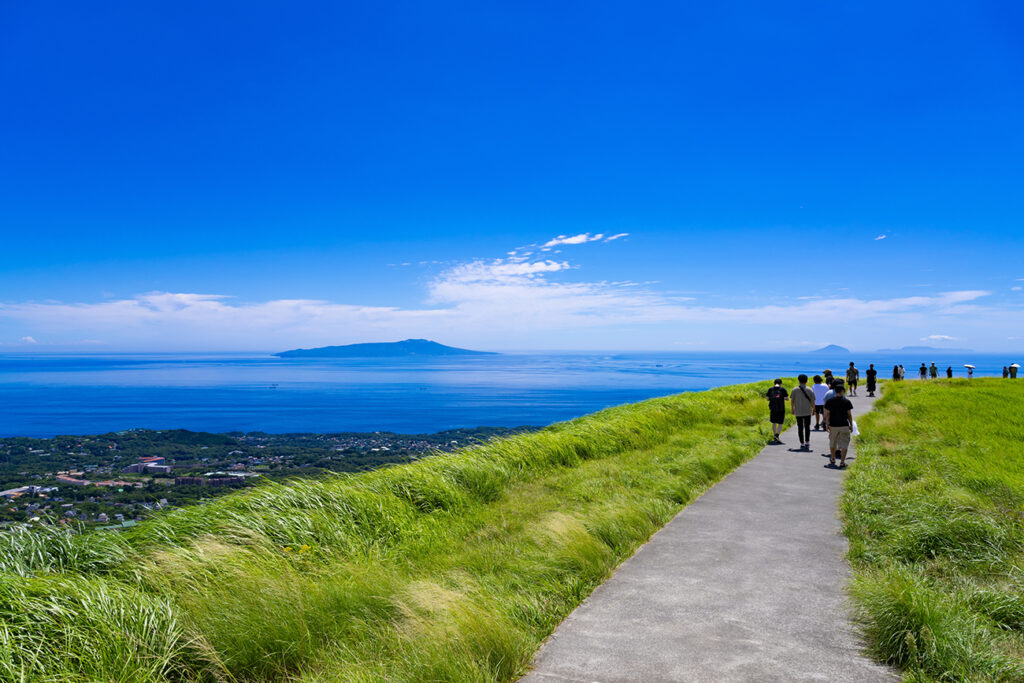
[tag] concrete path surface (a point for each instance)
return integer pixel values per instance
(747, 583)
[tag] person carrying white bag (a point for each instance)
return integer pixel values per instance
(839, 418)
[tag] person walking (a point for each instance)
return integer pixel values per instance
(839, 417)
(819, 390)
(872, 375)
(970, 372)
(832, 392)
(949, 372)
(933, 371)
(801, 401)
(924, 371)
(852, 377)
(1013, 370)
(903, 373)
(777, 396)
(1006, 373)
(895, 373)
(828, 378)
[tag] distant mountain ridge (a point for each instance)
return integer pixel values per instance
(408, 347)
(832, 348)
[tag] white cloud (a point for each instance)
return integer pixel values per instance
(582, 238)
(616, 236)
(500, 270)
(881, 237)
(1016, 289)
(28, 340)
(938, 337)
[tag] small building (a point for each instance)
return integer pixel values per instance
(72, 481)
(148, 467)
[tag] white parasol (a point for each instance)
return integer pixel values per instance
(1014, 365)
(968, 366)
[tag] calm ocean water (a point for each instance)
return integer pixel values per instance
(48, 395)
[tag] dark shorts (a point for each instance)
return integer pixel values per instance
(852, 382)
(777, 417)
(819, 410)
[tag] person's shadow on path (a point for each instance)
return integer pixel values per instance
(830, 466)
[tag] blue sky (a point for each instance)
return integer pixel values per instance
(235, 176)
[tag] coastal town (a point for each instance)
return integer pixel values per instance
(113, 481)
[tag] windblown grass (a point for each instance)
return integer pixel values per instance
(934, 509)
(452, 568)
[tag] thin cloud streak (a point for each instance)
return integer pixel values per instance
(582, 238)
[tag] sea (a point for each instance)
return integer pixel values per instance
(47, 395)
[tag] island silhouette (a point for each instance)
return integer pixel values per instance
(408, 347)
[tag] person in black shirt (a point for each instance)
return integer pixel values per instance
(777, 396)
(839, 416)
(949, 372)
(872, 378)
(896, 373)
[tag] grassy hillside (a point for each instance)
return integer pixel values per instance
(934, 509)
(452, 568)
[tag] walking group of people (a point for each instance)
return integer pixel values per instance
(826, 400)
(932, 371)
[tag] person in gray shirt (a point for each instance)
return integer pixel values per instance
(801, 400)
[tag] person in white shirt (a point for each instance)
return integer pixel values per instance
(820, 389)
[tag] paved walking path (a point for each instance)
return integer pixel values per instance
(747, 583)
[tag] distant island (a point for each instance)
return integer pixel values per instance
(409, 347)
(923, 349)
(832, 348)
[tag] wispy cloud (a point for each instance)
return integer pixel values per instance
(582, 238)
(881, 237)
(938, 337)
(617, 236)
(503, 271)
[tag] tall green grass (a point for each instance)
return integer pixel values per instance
(934, 509)
(452, 568)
